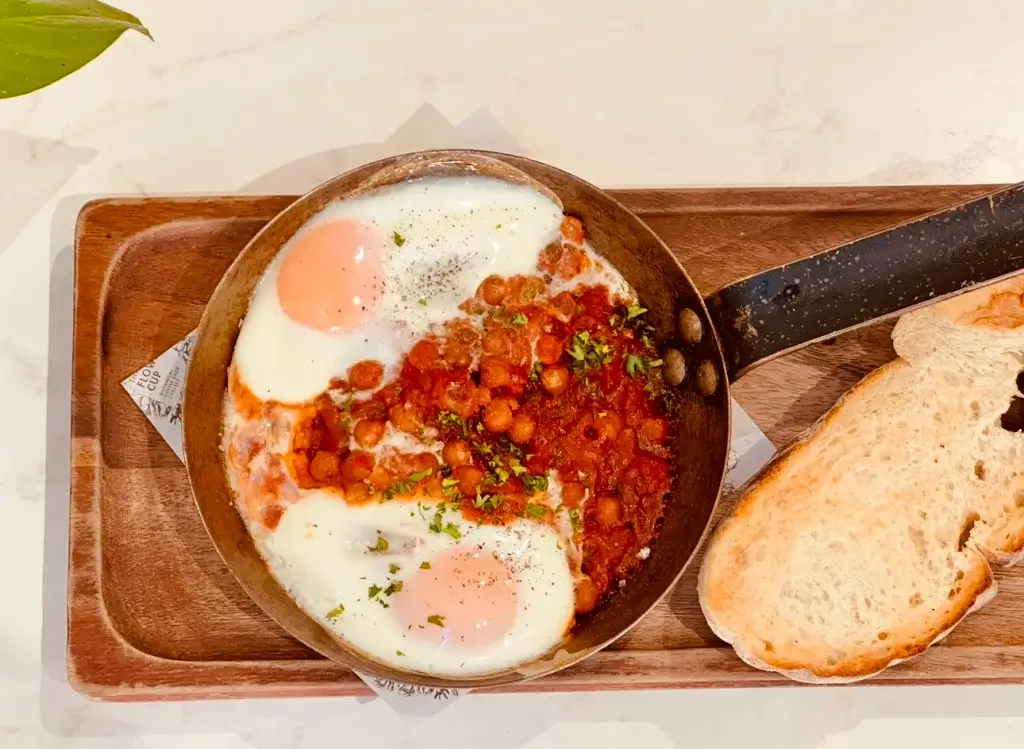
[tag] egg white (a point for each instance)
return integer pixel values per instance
(441, 237)
(320, 553)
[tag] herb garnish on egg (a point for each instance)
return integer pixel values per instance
(335, 612)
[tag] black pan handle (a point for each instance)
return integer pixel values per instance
(869, 279)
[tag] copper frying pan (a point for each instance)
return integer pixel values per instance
(716, 340)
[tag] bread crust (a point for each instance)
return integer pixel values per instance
(996, 310)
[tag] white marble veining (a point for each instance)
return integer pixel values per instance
(238, 95)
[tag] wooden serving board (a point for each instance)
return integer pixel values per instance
(154, 614)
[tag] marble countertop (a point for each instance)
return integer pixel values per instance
(239, 96)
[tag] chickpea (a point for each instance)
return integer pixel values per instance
(562, 307)
(572, 230)
(609, 510)
(532, 287)
(457, 453)
(522, 428)
(482, 397)
(366, 375)
(368, 432)
(609, 424)
(458, 397)
(494, 372)
(370, 410)
(625, 443)
(424, 462)
(497, 342)
(424, 354)
(324, 466)
(457, 355)
(357, 493)
(381, 478)
(549, 349)
(497, 416)
(554, 379)
(357, 466)
(573, 263)
(469, 477)
(653, 430)
(573, 494)
(519, 351)
(405, 417)
(493, 290)
(587, 595)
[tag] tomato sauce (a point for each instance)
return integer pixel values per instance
(528, 385)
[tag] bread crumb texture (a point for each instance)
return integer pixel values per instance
(872, 536)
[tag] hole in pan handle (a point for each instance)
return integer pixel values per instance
(869, 279)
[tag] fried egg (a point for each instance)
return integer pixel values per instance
(367, 276)
(421, 589)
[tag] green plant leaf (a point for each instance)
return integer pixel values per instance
(41, 41)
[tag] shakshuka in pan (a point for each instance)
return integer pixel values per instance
(446, 425)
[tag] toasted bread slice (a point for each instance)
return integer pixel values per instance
(871, 537)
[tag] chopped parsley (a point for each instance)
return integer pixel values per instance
(399, 653)
(512, 447)
(381, 545)
(517, 467)
(399, 239)
(450, 419)
(394, 568)
(452, 530)
(535, 511)
(589, 353)
(436, 620)
(424, 565)
(374, 591)
(574, 517)
(487, 501)
(448, 528)
(423, 302)
(635, 365)
(519, 319)
(501, 474)
(634, 311)
(535, 484)
(448, 486)
(405, 485)
(535, 371)
(395, 586)
(335, 612)
(498, 226)
(453, 421)
(435, 524)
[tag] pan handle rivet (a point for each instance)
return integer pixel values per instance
(707, 378)
(690, 327)
(673, 367)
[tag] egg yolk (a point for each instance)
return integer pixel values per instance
(332, 277)
(469, 598)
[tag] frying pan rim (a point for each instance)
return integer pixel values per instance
(366, 664)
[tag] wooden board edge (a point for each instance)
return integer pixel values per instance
(647, 200)
(958, 665)
(697, 668)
